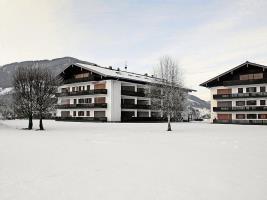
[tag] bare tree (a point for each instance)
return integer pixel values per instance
(23, 95)
(34, 92)
(167, 93)
(45, 88)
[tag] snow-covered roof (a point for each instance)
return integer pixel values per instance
(120, 74)
(107, 72)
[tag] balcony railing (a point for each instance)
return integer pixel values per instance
(244, 121)
(135, 106)
(88, 105)
(77, 80)
(85, 119)
(133, 93)
(240, 95)
(240, 108)
(84, 92)
(244, 82)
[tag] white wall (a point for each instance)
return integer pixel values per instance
(113, 112)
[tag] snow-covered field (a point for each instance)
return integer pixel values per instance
(95, 161)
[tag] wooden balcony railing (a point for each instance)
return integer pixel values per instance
(240, 95)
(244, 82)
(135, 106)
(243, 121)
(84, 92)
(240, 108)
(89, 105)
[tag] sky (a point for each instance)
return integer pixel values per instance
(205, 37)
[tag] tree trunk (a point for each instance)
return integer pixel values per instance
(41, 123)
(169, 123)
(30, 122)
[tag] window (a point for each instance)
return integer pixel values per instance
(258, 76)
(80, 88)
(73, 89)
(80, 113)
(243, 77)
(240, 103)
(251, 116)
(251, 89)
(224, 91)
(81, 100)
(251, 103)
(74, 113)
(262, 102)
(74, 101)
(84, 75)
(88, 87)
(262, 116)
(99, 113)
(155, 114)
(251, 76)
(88, 100)
(128, 88)
(64, 90)
(224, 116)
(100, 99)
(100, 86)
(240, 116)
(224, 104)
(65, 113)
(87, 113)
(262, 89)
(128, 101)
(240, 90)
(142, 114)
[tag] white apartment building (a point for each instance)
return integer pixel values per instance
(93, 93)
(239, 95)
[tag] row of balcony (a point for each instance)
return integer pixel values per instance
(85, 105)
(84, 119)
(133, 93)
(240, 95)
(240, 108)
(76, 80)
(101, 105)
(84, 92)
(248, 122)
(135, 106)
(100, 91)
(244, 82)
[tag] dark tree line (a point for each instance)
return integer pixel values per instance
(34, 93)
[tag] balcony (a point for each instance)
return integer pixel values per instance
(82, 119)
(133, 93)
(244, 121)
(244, 82)
(240, 95)
(84, 92)
(89, 105)
(240, 108)
(77, 80)
(135, 106)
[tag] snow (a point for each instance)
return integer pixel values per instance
(5, 90)
(121, 161)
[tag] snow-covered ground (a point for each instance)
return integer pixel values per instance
(96, 161)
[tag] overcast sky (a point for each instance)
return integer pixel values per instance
(206, 37)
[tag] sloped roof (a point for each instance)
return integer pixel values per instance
(119, 74)
(231, 70)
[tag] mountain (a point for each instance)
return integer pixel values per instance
(198, 103)
(55, 65)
